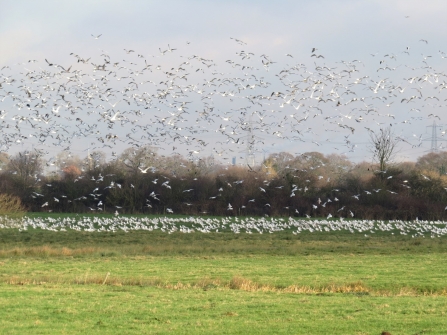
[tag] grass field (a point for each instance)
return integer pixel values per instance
(151, 282)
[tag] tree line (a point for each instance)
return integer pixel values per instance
(140, 181)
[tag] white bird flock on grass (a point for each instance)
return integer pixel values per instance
(415, 228)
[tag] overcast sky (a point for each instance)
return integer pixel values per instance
(413, 32)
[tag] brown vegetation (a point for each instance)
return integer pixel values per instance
(235, 283)
(11, 205)
(283, 185)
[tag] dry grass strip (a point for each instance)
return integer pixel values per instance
(47, 251)
(236, 283)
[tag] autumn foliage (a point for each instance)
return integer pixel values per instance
(311, 184)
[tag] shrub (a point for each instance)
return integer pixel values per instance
(11, 205)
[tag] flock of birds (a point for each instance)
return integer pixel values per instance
(193, 103)
(186, 103)
(187, 225)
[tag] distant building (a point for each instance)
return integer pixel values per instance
(233, 161)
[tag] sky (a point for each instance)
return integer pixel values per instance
(369, 51)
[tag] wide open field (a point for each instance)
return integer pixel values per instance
(56, 279)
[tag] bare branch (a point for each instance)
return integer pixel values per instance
(383, 147)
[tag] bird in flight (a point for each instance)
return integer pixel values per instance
(144, 170)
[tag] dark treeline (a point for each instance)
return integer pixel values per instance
(312, 184)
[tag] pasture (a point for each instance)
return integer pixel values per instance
(132, 275)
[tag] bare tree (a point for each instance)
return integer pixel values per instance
(337, 166)
(279, 161)
(383, 147)
(433, 161)
(4, 159)
(136, 159)
(25, 166)
(95, 161)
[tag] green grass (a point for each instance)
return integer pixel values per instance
(144, 282)
(157, 243)
(376, 274)
(87, 309)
